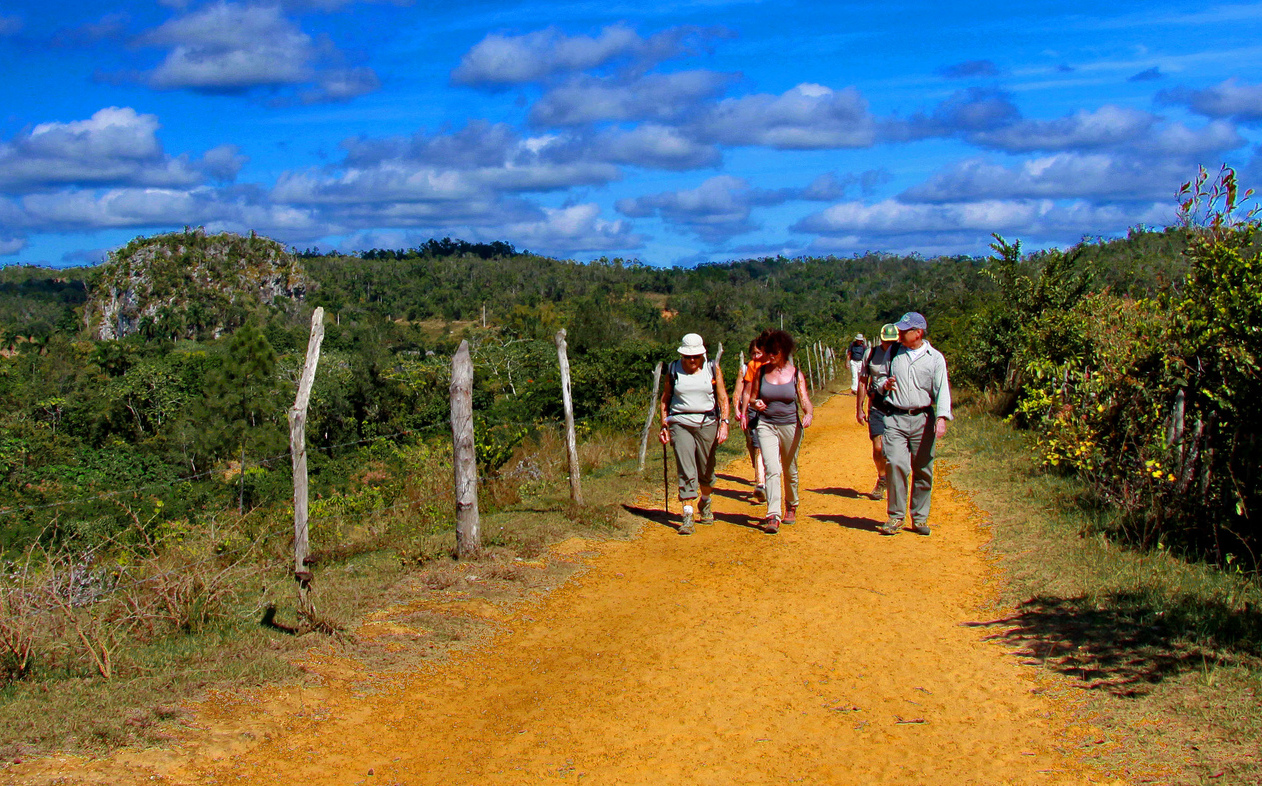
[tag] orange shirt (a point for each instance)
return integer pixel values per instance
(751, 370)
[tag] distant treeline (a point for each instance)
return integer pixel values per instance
(94, 415)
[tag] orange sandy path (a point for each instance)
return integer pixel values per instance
(824, 654)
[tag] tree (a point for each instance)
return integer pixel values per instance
(243, 403)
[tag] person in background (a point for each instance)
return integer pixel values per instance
(749, 419)
(917, 406)
(869, 402)
(694, 410)
(779, 390)
(854, 353)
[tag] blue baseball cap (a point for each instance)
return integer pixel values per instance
(912, 320)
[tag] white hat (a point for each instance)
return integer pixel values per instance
(858, 337)
(692, 344)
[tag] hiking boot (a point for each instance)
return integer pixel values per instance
(891, 527)
(878, 491)
(685, 524)
(706, 510)
(760, 494)
(771, 525)
(790, 514)
(920, 529)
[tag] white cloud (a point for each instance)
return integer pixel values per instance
(1098, 177)
(238, 210)
(1230, 99)
(805, 117)
(658, 97)
(655, 147)
(11, 246)
(233, 48)
(895, 225)
(1107, 126)
(721, 207)
(715, 210)
(116, 146)
(499, 60)
(569, 230)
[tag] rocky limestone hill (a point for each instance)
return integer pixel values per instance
(190, 284)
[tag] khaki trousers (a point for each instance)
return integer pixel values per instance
(909, 450)
(780, 456)
(694, 456)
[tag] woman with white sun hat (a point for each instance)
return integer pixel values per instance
(694, 410)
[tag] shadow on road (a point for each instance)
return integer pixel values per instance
(733, 479)
(840, 492)
(739, 519)
(655, 515)
(742, 496)
(852, 522)
(1123, 643)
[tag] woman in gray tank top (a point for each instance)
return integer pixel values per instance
(694, 410)
(779, 389)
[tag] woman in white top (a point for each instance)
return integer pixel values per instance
(694, 411)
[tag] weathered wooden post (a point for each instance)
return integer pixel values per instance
(571, 443)
(464, 460)
(810, 372)
(648, 420)
(298, 455)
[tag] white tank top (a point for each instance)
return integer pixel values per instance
(692, 400)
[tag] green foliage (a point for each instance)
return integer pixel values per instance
(1154, 401)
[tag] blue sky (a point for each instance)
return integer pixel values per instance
(671, 133)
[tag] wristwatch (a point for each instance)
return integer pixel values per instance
(725, 420)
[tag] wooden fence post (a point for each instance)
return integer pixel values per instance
(298, 456)
(648, 420)
(464, 459)
(571, 443)
(810, 373)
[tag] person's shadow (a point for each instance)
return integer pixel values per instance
(654, 515)
(740, 520)
(840, 492)
(743, 496)
(851, 522)
(733, 479)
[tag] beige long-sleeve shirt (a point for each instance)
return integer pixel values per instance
(919, 382)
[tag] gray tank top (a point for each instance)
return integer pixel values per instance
(782, 401)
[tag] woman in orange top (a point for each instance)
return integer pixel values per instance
(749, 419)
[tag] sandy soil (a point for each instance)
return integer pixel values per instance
(824, 654)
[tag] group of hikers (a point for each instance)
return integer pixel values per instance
(902, 394)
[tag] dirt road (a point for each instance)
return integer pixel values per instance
(824, 654)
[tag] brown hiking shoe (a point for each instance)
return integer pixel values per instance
(760, 494)
(790, 514)
(878, 491)
(771, 525)
(891, 527)
(685, 524)
(705, 511)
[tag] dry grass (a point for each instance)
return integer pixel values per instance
(97, 649)
(1169, 652)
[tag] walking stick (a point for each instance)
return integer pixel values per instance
(665, 482)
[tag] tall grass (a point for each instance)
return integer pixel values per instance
(1147, 633)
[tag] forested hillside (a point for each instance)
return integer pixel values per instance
(149, 475)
